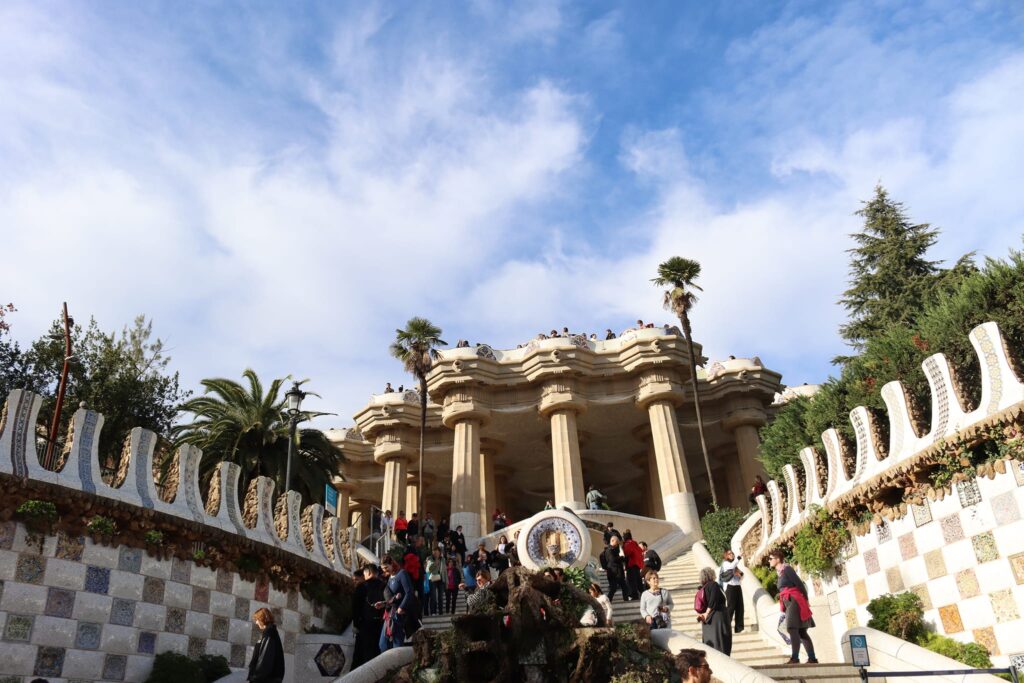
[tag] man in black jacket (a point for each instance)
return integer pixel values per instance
(458, 540)
(652, 561)
(367, 619)
(611, 531)
(611, 560)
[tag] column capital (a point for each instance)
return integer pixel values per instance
(343, 486)
(561, 394)
(659, 385)
(463, 403)
(754, 417)
(388, 446)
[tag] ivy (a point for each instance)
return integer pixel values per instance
(819, 543)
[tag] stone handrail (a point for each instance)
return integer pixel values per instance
(889, 653)
(576, 340)
(380, 668)
(828, 484)
(303, 533)
(724, 668)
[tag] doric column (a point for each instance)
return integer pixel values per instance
(660, 393)
(488, 499)
(412, 493)
(561, 404)
(743, 420)
(388, 451)
(345, 490)
(464, 413)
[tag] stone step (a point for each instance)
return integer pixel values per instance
(801, 673)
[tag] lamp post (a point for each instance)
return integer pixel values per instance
(61, 389)
(294, 397)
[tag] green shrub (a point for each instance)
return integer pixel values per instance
(213, 667)
(577, 576)
(171, 667)
(719, 526)
(971, 654)
(784, 437)
(153, 537)
(900, 615)
(38, 513)
(818, 544)
(104, 526)
(769, 579)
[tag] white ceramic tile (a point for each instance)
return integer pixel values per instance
(23, 598)
(244, 589)
(84, 664)
(177, 595)
(219, 647)
(203, 577)
(959, 556)
(1010, 538)
(126, 585)
(8, 565)
(54, 631)
(138, 667)
(222, 604)
(929, 537)
(976, 612)
(198, 624)
(290, 621)
(99, 555)
(993, 576)
(277, 598)
(239, 632)
(64, 574)
(151, 566)
(119, 640)
(150, 617)
(174, 642)
(92, 607)
(1010, 636)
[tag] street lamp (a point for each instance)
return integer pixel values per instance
(294, 398)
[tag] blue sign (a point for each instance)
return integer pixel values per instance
(331, 499)
(859, 650)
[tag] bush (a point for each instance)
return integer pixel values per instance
(719, 526)
(104, 526)
(171, 667)
(577, 576)
(785, 436)
(769, 579)
(153, 537)
(816, 547)
(971, 654)
(900, 615)
(38, 513)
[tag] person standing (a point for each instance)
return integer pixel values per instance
(387, 528)
(611, 531)
(595, 499)
(757, 489)
(793, 603)
(634, 563)
(730, 574)
(401, 527)
(399, 605)
(458, 541)
(412, 529)
(656, 603)
(267, 664)
(367, 619)
(435, 575)
(451, 594)
(429, 530)
(611, 559)
(692, 666)
(710, 606)
(652, 561)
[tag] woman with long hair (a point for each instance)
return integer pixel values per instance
(267, 664)
(710, 605)
(793, 603)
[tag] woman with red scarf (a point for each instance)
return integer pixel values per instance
(793, 602)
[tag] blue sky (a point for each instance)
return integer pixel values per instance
(280, 185)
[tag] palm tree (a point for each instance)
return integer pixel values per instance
(250, 428)
(678, 274)
(416, 346)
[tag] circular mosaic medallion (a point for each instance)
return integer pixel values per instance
(554, 538)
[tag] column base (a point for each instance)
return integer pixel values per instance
(681, 508)
(470, 523)
(573, 504)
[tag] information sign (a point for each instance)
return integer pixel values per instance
(331, 499)
(859, 650)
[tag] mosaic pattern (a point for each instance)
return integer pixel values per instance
(219, 629)
(200, 600)
(97, 580)
(18, 627)
(114, 667)
(122, 612)
(88, 636)
(49, 662)
(884, 532)
(231, 495)
(143, 475)
(893, 397)
(175, 620)
(871, 560)
(190, 476)
(860, 591)
(1018, 472)
(986, 637)
(130, 560)
(237, 659)
(181, 570)
(967, 583)
(851, 618)
(262, 593)
(20, 429)
(242, 609)
(995, 378)
(908, 547)
(1017, 661)
(952, 530)
(1017, 566)
(922, 513)
(985, 547)
(59, 603)
(84, 440)
(1005, 508)
(330, 659)
(940, 397)
(147, 643)
(1004, 606)
(153, 590)
(950, 616)
(7, 535)
(70, 547)
(833, 603)
(30, 569)
(196, 647)
(861, 429)
(894, 579)
(969, 492)
(935, 564)
(842, 578)
(921, 591)
(225, 581)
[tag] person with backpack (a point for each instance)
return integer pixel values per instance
(729, 576)
(611, 560)
(595, 499)
(656, 603)
(652, 561)
(634, 563)
(710, 606)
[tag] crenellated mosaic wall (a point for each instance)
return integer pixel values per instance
(78, 611)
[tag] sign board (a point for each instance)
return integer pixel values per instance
(859, 650)
(331, 499)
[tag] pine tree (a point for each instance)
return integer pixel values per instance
(890, 278)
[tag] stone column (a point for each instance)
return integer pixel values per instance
(464, 413)
(561, 404)
(388, 450)
(488, 499)
(345, 490)
(412, 493)
(660, 393)
(743, 420)
(654, 484)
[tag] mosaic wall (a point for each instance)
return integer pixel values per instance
(85, 612)
(964, 554)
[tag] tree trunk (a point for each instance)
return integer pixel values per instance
(685, 320)
(423, 435)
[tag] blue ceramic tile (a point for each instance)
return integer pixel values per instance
(114, 667)
(97, 580)
(130, 560)
(49, 662)
(147, 642)
(60, 603)
(122, 612)
(88, 636)
(30, 569)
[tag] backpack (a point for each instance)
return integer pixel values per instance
(699, 603)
